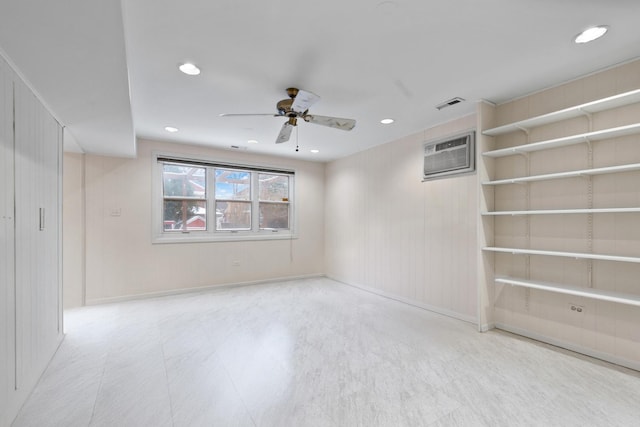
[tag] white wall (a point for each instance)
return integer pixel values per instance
(121, 261)
(389, 232)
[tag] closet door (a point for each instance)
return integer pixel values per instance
(7, 297)
(37, 178)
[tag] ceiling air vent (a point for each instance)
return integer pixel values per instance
(449, 103)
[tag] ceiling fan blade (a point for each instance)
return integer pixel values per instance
(332, 122)
(285, 133)
(303, 101)
(243, 115)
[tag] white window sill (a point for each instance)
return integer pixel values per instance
(195, 237)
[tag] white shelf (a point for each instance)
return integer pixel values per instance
(569, 174)
(560, 211)
(567, 140)
(587, 108)
(599, 294)
(578, 255)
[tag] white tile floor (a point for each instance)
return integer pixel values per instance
(313, 353)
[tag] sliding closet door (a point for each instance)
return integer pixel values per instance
(37, 179)
(7, 299)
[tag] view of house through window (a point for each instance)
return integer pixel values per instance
(242, 200)
(184, 204)
(274, 200)
(233, 199)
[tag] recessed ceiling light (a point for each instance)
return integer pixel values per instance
(252, 141)
(189, 69)
(386, 121)
(171, 129)
(315, 151)
(590, 34)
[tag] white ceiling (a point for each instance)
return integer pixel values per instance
(108, 69)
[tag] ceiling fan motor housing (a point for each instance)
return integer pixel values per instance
(284, 108)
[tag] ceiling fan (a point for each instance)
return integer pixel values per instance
(297, 107)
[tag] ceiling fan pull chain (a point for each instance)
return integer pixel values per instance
(297, 146)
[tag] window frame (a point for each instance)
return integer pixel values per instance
(212, 234)
(181, 198)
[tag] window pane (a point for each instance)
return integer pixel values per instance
(184, 181)
(233, 215)
(184, 215)
(274, 215)
(274, 188)
(233, 185)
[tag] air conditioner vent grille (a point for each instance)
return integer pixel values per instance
(449, 156)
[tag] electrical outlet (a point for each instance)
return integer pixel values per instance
(576, 308)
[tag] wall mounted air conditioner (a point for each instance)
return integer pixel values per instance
(449, 156)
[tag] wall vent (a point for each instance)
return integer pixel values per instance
(449, 103)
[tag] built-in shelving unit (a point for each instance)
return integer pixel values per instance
(566, 141)
(561, 211)
(612, 296)
(592, 107)
(576, 255)
(589, 109)
(569, 174)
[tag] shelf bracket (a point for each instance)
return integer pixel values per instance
(590, 215)
(589, 117)
(525, 130)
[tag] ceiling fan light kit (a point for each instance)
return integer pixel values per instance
(297, 107)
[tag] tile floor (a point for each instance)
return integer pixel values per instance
(313, 353)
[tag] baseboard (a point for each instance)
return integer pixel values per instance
(569, 346)
(486, 327)
(147, 295)
(408, 301)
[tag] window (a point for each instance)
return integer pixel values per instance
(184, 191)
(273, 200)
(201, 200)
(233, 199)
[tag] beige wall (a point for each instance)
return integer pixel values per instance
(389, 232)
(121, 261)
(73, 230)
(603, 329)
